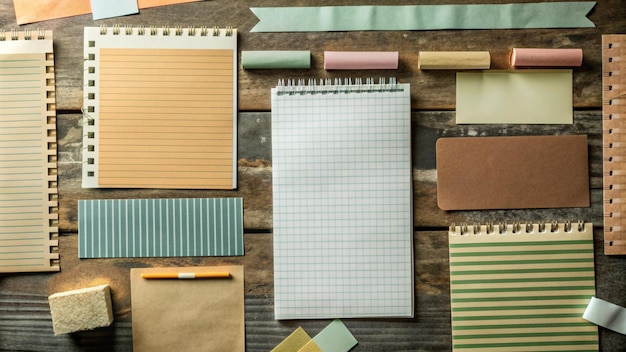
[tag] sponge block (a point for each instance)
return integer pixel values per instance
(83, 309)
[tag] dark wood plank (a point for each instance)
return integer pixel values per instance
(25, 319)
(255, 171)
(430, 90)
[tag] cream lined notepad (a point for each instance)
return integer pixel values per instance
(28, 170)
(522, 287)
(160, 108)
(343, 229)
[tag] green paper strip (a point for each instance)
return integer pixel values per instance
(267, 59)
(424, 17)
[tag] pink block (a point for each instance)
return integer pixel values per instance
(527, 57)
(360, 60)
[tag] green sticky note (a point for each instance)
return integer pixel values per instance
(268, 59)
(335, 338)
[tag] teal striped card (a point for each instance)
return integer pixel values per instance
(126, 228)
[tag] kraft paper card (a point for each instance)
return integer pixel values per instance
(188, 314)
(516, 97)
(27, 11)
(512, 172)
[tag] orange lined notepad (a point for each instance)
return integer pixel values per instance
(28, 170)
(162, 114)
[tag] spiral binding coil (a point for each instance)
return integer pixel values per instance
(166, 31)
(25, 34)
(337, 86)
(504, 228)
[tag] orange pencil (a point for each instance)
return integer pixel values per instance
(184, 276)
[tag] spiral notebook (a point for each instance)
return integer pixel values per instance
(160, 108)
(28, 169)
(343, 234)
(613, 115)
(522, 287)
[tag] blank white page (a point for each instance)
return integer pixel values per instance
(342, 195)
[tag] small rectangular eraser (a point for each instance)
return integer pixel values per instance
(82, 309)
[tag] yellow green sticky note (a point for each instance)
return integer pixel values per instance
(294, 342)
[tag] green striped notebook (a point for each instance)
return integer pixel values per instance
(522, 287)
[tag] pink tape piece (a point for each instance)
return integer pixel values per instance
(531, 57)
(361, 60)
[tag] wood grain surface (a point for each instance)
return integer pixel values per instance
(25, 323)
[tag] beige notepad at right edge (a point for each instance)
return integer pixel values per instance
(515, 97)
(188, 314)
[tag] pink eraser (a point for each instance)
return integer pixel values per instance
(360, 60)
(530, 57)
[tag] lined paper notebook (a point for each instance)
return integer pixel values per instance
(160, 108)
(28, 170)
(522, 287)
(343, 235)
(122, 228)
(614, 150)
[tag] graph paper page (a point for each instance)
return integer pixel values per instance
(342, 203)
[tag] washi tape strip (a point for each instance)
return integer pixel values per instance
(606, 314)
(539, 57)
(276, 59)
(454, 60)
(424, 17)
(361, 60)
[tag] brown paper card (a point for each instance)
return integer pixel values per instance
(512, 172)
(188, 315)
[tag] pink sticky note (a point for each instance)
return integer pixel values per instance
(360, 60)
(536, 57)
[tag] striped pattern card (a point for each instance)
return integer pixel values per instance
(125, 228)
(522, 287)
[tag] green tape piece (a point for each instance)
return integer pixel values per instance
(276, 59)
(424, 17)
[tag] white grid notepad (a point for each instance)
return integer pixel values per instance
(342, 201)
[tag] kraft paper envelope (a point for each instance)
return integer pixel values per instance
(188, 315)
(512, 172)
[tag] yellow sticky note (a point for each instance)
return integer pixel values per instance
(294, 342)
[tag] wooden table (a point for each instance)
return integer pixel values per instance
(25, 322)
